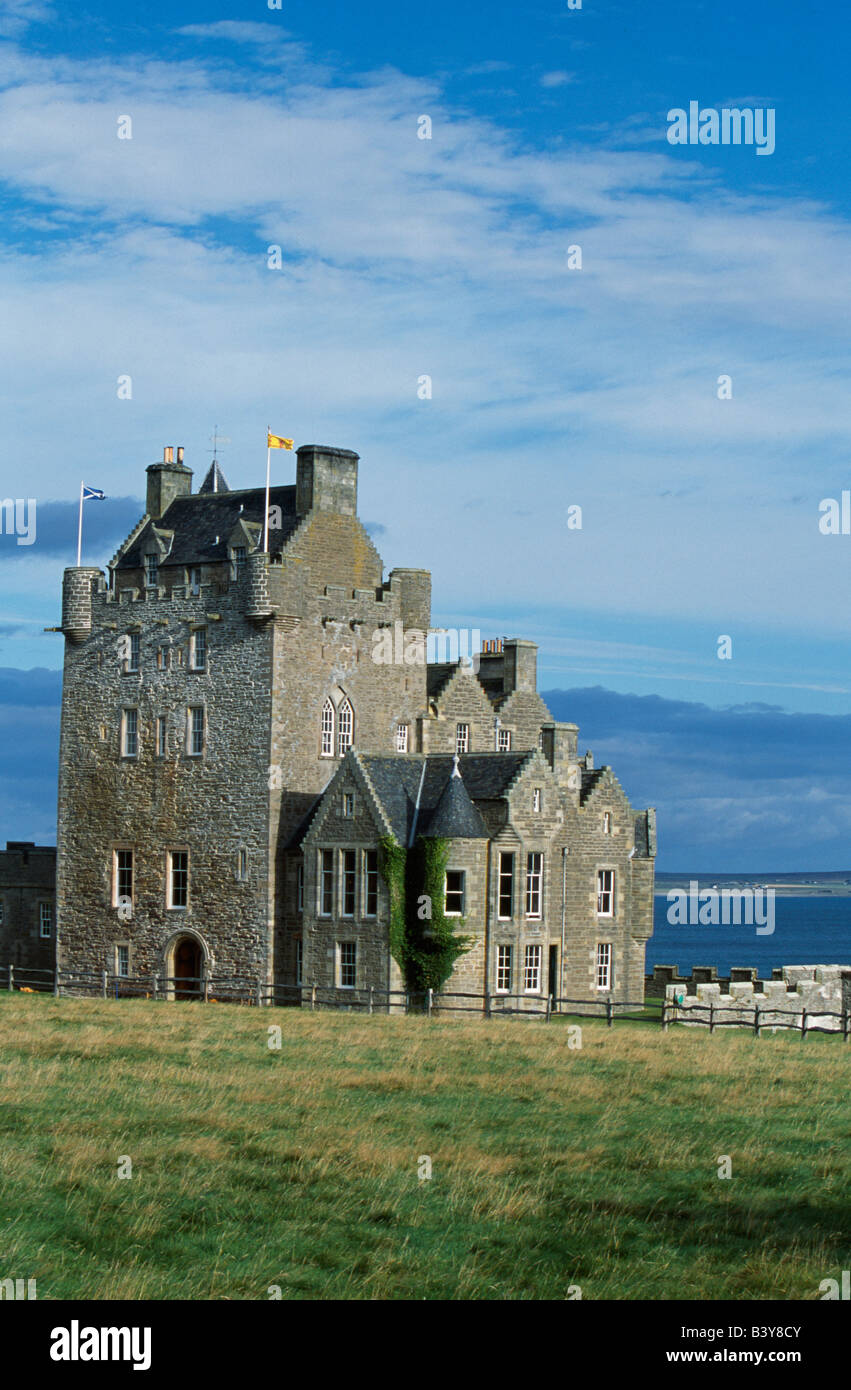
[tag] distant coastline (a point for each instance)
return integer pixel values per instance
(834, 884)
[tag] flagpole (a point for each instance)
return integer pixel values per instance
(268, 471)
(80, 528)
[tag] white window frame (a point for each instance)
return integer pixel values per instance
(152, 571)
(345, 727)
(117, 872)
(504, 969)
(603, 965)
(605, 892)
(532, 968)
(348, 882)
(326, 880)
(452, 912)
(348, 805)
(122, 974)
(194, 663)
(347, 949)
(536, 799)
(191, 730)
(134, 652)
(370, 879)
(401, 738)
(534, 885)
(503, 875)
(327, 729)
(462, 738)
(45, 911)
(171, 905)
(503, 740)
(126, 724)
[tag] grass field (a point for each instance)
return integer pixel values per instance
(551, 1167)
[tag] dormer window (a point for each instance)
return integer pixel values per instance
(152, 569)
(194, 582)
(462, 738)
(239, 554)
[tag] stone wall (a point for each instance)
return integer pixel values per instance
(27, 880)
(824, 991)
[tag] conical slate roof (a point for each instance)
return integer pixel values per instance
(455, 817)
(215, 480)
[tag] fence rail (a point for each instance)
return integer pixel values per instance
(253, 992)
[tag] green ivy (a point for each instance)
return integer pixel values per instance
(424, 947)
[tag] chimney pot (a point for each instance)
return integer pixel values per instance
(168, 453)
(180, 453)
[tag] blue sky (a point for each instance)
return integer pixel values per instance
(448, 257)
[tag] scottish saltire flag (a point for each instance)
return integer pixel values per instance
(95, 493)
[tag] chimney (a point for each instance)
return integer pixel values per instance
(326, 480)
(166, 481)
(520, 668)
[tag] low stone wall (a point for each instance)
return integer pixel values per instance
(824, 991)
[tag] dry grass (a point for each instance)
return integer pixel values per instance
(299, 1167)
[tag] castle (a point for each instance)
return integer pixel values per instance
(235, 757)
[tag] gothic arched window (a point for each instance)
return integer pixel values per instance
(327, 749)
(345, 727)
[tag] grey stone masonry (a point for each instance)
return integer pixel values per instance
(219, 702)
(27, 906)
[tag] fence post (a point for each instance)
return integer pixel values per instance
(487, 1005)
(664, 1016)
(756, 1020)
(259, 994)
(371, 998)
(430, 1004)
(56, 982)
(803, 1024)
(549, 1006)
(846, 1015)
(103, 983)
(313, 996)
(11, 978)
(711, 1017)
(610, 1012)
(407, 1002)
(156, 993)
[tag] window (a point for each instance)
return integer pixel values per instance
(242, 864)
(196, 731)
(503, 741)
(162, 736)
(299, 889)
(605, 893)
(152, 570)
(327, 750)
(349, 882)
(401, 738)
(506, 886)
(122, 961)
(45, 919)
(462, 738)
(541, 739)
(198, 649)
(238, 560)
(503, 969)
(371, 882)
(534, 875)
(299, 961)
(348, 804)
(195, 582)
(327, 884)
(532, 970)
(178, 878)
(348, 964)
(604, 965)
(345, 727)
(454, 892)
(123, 875)
(536, 799)
(130, 733)
(607, 822)
(134, 651)
(163, 658)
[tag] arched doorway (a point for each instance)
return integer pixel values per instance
(187, 968)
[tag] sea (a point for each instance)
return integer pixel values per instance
(807, 931)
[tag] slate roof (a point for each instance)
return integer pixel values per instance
(396, 781)
(455, 817)
(215, 480)
(196, 520)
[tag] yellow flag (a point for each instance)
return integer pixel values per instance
(274, 441)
